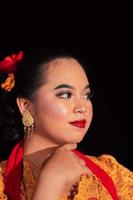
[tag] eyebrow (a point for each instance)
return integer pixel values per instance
(69, 86)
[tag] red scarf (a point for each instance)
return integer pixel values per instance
(14, 173)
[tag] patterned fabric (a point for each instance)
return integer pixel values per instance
(88, 188)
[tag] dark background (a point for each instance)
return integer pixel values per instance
(102, 36)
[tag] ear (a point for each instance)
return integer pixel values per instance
(23, 104)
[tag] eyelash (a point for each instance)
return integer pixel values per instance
(89, 95)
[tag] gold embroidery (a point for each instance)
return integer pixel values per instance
(88, 188)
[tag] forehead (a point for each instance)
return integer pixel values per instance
(66, 70)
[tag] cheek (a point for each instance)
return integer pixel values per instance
(55, 109)
(90, 111)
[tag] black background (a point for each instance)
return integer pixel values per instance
(102, 36)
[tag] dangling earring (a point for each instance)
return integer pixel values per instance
(28, 123)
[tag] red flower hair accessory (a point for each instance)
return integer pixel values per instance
(9, 65)
(10, 62)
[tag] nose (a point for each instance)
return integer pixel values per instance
(79, 108)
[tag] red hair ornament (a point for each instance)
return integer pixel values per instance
(9, 65)
(10, 62)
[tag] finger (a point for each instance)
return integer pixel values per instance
(70, 146)
(81, 162)
(87, 171)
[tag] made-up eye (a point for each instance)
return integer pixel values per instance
(64, 95)
(87, 96)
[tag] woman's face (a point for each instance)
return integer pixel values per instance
(62, 109)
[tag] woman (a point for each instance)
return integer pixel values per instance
(52, 93)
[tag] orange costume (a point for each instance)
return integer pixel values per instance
(109, 180)
(88, 188)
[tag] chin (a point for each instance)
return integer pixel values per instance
(73, 137)
(76, 140)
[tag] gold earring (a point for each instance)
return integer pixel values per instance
(28, 123)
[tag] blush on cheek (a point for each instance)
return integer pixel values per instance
(58, 111)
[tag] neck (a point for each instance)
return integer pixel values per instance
(38, 149)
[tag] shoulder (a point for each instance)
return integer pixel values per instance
(122, 177)
(111, 166)
(109, 163)
(3, 165)
(2, 171)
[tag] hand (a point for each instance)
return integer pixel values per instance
(62, 170)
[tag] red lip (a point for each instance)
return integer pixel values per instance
(79, 124)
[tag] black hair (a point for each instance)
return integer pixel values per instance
(30, 74)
